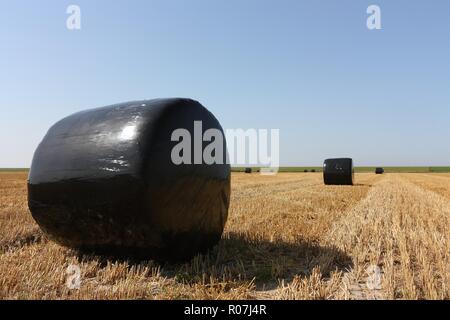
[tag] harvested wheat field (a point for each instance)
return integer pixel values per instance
(287, 237)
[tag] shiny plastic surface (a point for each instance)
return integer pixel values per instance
(338, 171)
(102, 180)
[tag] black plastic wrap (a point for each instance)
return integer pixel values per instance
(102, 180)
(338, 171)
(379, 170)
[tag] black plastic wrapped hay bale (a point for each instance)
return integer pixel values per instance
(379, 170)
(248, 170)
(103, 181)
(338, 171)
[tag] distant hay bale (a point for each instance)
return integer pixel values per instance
(306, 170)
(313, 170)
(248, 170)
(338, 171)
(379, 170)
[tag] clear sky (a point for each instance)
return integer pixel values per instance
(309, 68)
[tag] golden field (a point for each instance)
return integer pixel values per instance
(287, 237)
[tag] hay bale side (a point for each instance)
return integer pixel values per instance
(338, 171)
(103, 181)
(379, 170)
(248, 170)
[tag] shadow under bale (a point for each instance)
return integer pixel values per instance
(240, 258)
(271, 260)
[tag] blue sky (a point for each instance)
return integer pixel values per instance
(309, 68)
